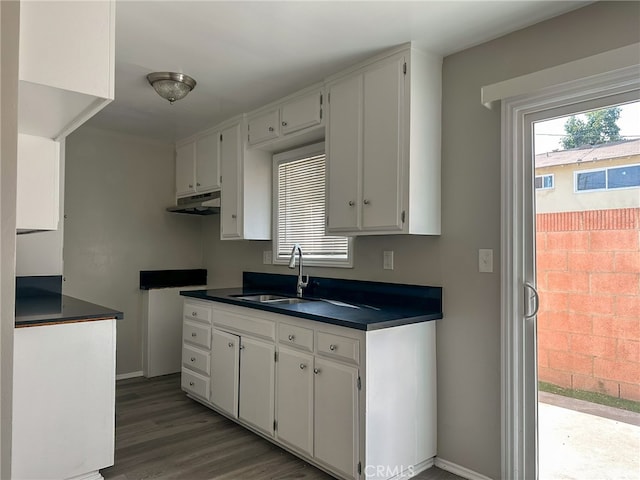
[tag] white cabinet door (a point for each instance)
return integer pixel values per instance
(295, 399)
(301, 113)
(382, 143)
(336, 416)
(265, 127)
(225, 371)
(186, 169)
(230, 198)
(257, 382)
(37, 197)
(344, 155)
(208, 162)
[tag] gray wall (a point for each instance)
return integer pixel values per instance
(9, 28)
(117, 189)
(468, 339)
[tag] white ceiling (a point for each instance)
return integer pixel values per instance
(246, 54)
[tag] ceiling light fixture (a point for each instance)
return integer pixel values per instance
(170, 85)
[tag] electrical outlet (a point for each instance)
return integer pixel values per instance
(485, 260)
(387, 260)
(267, 257)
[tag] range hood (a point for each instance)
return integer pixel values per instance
(202, 204)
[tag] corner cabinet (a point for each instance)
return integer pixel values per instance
(327, 393)
(245, 210)
(383, 147)
(198, 164)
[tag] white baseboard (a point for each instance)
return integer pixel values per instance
(458, 470)
(124, 376)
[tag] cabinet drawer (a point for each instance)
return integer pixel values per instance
(196, 334)
(296, 336)
(197, 312)
(196, 359)
(344, 348)
(195, 383)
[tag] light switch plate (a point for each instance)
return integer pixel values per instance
(485, 260)
(387, 259)
(267, 257)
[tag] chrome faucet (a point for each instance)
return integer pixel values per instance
(292, 264)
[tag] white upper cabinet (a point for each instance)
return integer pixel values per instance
(245, 210)
(302, 112)
(186, 169)
(264, 127)
(383, 147)
(284, 124)
(38, 183)
(66, 64)
(208, 162)
(198, 165)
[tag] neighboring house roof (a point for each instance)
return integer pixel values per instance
(590, 153)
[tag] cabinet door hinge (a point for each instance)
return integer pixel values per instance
(359, 468)
(220, 137)
(329, 97)
(320, 114)
(320, 99)
(359, 383)
(404, 68)
(275, 356)
(220, 179)
(402, 216)
(275, 425)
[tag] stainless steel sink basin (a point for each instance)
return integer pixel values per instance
(277, 299)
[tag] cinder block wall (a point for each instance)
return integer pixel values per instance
(588, 274)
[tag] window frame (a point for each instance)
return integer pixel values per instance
(606, 179)
(553, 181)
(291, 156)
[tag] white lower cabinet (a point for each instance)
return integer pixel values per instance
(294, 409)
(359, 405)
(336, 416)
(225, 371)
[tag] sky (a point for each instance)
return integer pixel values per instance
(549, 133)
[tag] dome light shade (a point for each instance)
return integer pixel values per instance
(170, 85)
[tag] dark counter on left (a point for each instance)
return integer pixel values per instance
(39, 302)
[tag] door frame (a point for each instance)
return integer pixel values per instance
(518, 355)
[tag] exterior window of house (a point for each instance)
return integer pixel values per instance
(299, 210)
(623, 177)
(544, 182)
(626, 176)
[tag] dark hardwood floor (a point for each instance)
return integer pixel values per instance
(162, 434)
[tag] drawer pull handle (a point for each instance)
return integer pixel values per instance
(193, 359)
(366, 202)
(271, 129)
(191, 384)
(194, 334)
(241, 347)
(316, 371)
(351, 203)
(284, 124)
(302, 366)
(230, 344)
(234, 216)
(333, 347)
(194, 314)
(291, 337)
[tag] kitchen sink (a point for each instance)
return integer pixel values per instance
(277, 299)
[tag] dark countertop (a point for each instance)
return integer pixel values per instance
(373, 313)
(51, 309)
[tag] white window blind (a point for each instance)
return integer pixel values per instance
(301, 211)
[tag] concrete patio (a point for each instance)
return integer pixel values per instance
(580, 440)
